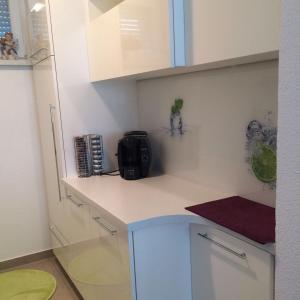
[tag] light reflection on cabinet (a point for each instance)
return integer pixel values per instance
(135, 37)
(150, 38)
(94, 253)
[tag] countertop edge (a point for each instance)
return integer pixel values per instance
(187, 219)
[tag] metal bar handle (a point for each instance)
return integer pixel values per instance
(240, 255)
(56, 236)
(38, 51)
(111, 230)
(52, 110)
(70, 197)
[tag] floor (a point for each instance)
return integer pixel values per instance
(64, 290)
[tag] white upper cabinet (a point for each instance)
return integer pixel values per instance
(105, 46)
(145, 35)
(135, 37)
(232, 29)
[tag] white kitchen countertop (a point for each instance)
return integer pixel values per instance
(134, 201)
(150, 201)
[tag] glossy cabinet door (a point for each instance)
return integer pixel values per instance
(225, 30)
(77, 219)
(137, 37)
(226, 268)
(105, 46)
(39, 30)
(101, 268)
(96, 255)
(133, 37)
(50, 136)
(145, 35)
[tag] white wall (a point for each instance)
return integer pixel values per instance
(288, 196)
(23, 212)
(218, 105)
(109, 108)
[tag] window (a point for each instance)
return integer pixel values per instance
(4, 17)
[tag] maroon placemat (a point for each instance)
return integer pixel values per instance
(253, 220)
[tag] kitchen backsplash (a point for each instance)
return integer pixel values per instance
(217, 108)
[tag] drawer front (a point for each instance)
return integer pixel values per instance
(98, 259)
(226, 268)
(109, 234)
(76, 219)
(60, 246)
(102, 225)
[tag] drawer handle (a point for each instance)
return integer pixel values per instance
(56, 236)
(70, 197)
(105, 226)
(240, 255)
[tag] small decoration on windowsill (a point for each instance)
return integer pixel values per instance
(176, 118)
(262, 147)
(8, 46)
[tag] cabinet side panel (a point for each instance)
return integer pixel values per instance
(162, 262)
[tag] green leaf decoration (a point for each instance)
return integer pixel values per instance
(178, 104)
(263, 164)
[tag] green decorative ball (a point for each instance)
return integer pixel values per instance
(263, 164)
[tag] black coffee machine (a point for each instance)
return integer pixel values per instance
(134, 155)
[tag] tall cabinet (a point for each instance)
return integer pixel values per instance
(48, 107)
(91, 246)
(50, 133)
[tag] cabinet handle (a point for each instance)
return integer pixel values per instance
(70, 197)
(240, 255)
(108, 228)
(56, 236)
(52, 109)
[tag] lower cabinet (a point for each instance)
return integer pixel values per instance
(166, 259)
(226, 268)
(93, 250)
(182, 261)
